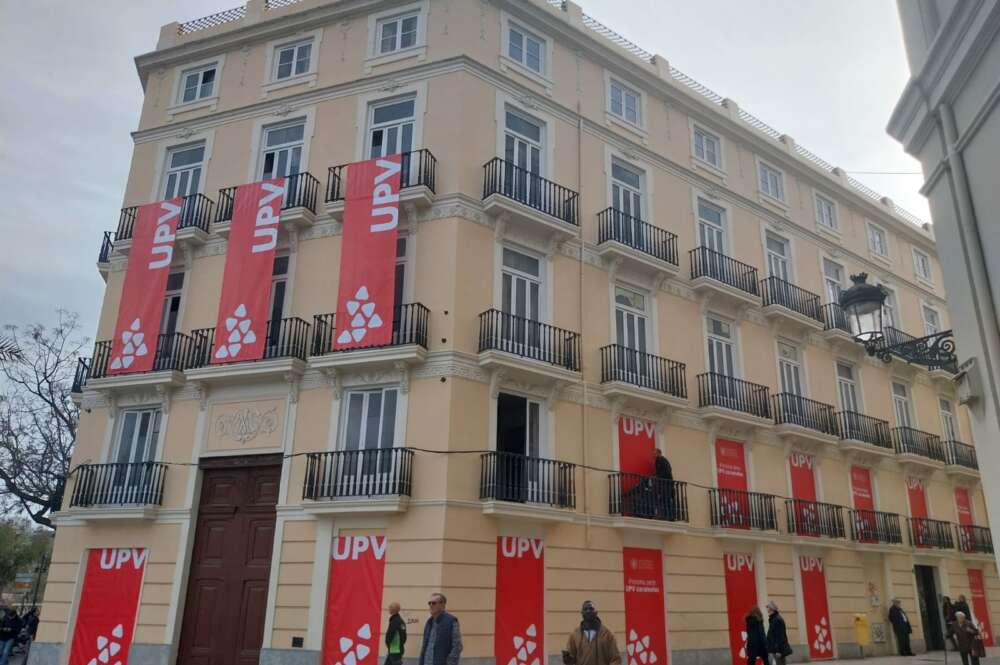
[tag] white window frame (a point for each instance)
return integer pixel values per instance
(164, 148)
(397, 19)
(734, 340)
(854, 381)
(767, 231)
(649, 313)
(295, 48)
(947, 415)
(418, 50)
(924, 309)
(720, 167)
(369, 120)
(871, 231)
(927, 278)
(367, 102)
(715, 202)
(781, 196)
(639, 125)
(823, 260)
(504, 103)
(167, 171)
(398, 436)
(262, 145)
(819, 200)
(907, 399)
(115, 448)
(507, 63)
(799, 362)
(309, 77)
(892, 300)
(177, 106)
(543, 278)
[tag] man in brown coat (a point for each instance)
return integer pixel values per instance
(591, 643)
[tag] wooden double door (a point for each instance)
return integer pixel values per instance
(231, 562)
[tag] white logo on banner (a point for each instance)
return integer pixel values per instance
(638, 650)
(108, 648)
(363, 318)
(135, 346)
(822, 643)
(743, 649)
(525, 646)
(239, 333)
(360, 651)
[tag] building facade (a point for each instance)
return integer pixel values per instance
(595, 256)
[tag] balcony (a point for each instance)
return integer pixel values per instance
(814, 519)
(928, 533)
(172, 354)
(903, 344)
(514, 485)
(81, 375)
(536, 206)
(719, 278)
(117, 491)
(407, 345)
(358, 481)
(960, 460)
(104, 254)
(837, 326)
(733, 400)
(416, 182)
(534, 350)
(286, 347)
(736, 509)
(916, 448)
(790, 306)
(804, 421)
(647, 497)
(974, 539)
(639, 246)
(641, 379)
(863, 435)
(297, 211)
(872, 527)
(192, 227)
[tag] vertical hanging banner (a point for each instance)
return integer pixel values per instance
(803, 480)
(963, 509)
(731, 477)
(137, 329)
(109, 602)
(818, 628)
(366, 295)
(918, 509)
(980, 607)
(741, 597)
(864, 504)
(241, 328)
(645, 606)
(352, 631)
(519, 629)
(636, 442)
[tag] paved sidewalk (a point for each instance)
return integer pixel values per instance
(936, 657)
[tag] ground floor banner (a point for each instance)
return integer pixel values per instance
(741, 597)
(980, 606)
(645, 609)
(519, 628)
(353, 624)
(818, 628)
(109, 601)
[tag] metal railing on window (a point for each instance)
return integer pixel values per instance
(777, 291)
(926, 532)
(500, 331)
(286, 338)
(872, 526)
(301, 190)
(707, 262)
(974, 539)
(358, 473)
(960, 454)
(729, 392)
(815, 519)
(530, 189)
(738, 509)
(617, 226)
(126, 223)
(859, 427)
(196, 212)
(409, 326)
(648, 497)
(107, 244)
(620, 363)
(118, 484)
(792, 409)
(418, 168)
(81, 374)
(908, 440)
(173, 351)
(835, 318)
(523, 479)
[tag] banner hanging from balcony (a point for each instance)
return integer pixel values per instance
(803, 480)
(863, 501)
(645, 608)
(109, 602)
(366, 295)
(741, 596)
(980, 607)
(963, 506)
(636, 442)
(818, 627)
(519, 628)
(918, 510)
(731, 477)
(241, 330)
(133, 348)
(354, 600)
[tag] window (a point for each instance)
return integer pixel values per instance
(172, 303)
(390, 128)
(518, 436)
(626, 189)
(890, 314)
(778, 256)
(132, 478)
(721, 347)
(292, 60)
(370, 430)
(878, 243)
(399, 280)
(707, 148)
(847, 388)
(183, 172)
(711, 226)
(526, 48)
(630, 318)
(520, 284)
(932, 320)
(282, 150)
(198, 83)
(397, 33)
(625, 103)
(789, 369)
(949, 428)
(771, 181)
(901, 404)
(826, 212)
(833, 280)
(922, 265)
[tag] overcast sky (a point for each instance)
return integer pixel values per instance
(826, 72)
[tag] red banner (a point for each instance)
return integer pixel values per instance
(133, 348)
(519, 628)
(918, 509)
(980, 608)
(366, 297)
(963, 506)
(109, 602)
(636, 443)
(354, 599)
(800, 467)
(741, 596)
(818, 627)
(864, 504)
(731, 477)
(645, 609)
(241, 330)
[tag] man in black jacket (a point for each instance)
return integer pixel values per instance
(395, 636)
(664, 491)
(901, 627)
(10, 626)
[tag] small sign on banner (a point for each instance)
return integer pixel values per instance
(519, 623)
(645, 608)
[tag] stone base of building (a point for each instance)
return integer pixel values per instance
(50, 653)
(45, 653)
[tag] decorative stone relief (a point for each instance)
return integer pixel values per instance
(245, 425)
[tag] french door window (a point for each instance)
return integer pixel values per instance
(518, 444)
(627, 204)
(276, 308)
(184, 167)
(901, 404)
(711, 227)
(790, 369)
(847, 388)
(137, 440)
(630, 328)
(369, 435)
(390, 128)
(932, 321)
(282, 151)
(777, 256)
(523, 138)
(833, 280)
(948, 425)
(520, 291)
(722, 358)
(172, 303)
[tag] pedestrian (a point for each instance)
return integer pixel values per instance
(961, 605)
(10, 626)
(442, 635)
(970, 645)
(591, 643)
(777, 635)
(756, 640)
(664, 488)
(948, 610)
(901, 627)
(395, 636)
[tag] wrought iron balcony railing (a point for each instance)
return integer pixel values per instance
(729, 392)
(409, 326)
(196, 212)
(126, 223)
(792, 409)
(835, 318)
(530, 189)
(417, 169)
(737, 509)
(286, 338)
(926, 532)
(872, 526)
(620, 363)
(81, 374)
(371, 472)
(649, 497)
(974, 539)
(814, 519)
(960, 454)
(856, 426)
(107, 244)
(523, 479)
(617, 226)
(300, 192)
(118, 484)
(779, 292)
(935, 351)
(172, 352)
(500, 331)
(707, 262)
(908, 440)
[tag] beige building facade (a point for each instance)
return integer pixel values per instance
(589, 241)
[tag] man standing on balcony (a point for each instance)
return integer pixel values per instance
(395, 636)
(664, 491)
(591, 643)
(901, 627)
(442, 636)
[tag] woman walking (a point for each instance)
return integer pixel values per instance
(777, 635)
(756, 640)
(970, 646)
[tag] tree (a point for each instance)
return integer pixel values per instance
(22, 549)
(38, 419)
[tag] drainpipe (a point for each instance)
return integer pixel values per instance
(583, 409)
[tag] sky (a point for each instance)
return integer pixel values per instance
(826, 72)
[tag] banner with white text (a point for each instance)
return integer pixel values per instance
(980, 606)
(741, 597)
(863, 498)
(519, 625)
(645, 606)
(918, 509)
(818, 627)
(352, 630)
(803, 481)
(731, 478)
